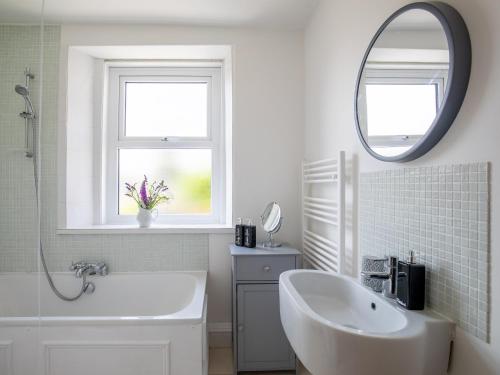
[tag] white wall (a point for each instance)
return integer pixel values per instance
(80, 122)
(267, 128)
(335, 42)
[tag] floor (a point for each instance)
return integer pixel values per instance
(221, 363)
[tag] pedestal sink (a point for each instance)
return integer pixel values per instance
(338, 327)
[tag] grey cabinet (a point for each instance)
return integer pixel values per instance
(259, 342)
(262, 344)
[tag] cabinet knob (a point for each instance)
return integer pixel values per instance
(240, 327)
(267, 268)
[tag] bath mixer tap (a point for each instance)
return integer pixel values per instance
(92, 268)
(390, 277)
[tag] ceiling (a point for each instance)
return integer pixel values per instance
(279, 14)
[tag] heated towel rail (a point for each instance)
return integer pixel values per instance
(323, 213)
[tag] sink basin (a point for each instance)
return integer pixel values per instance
(338, 327)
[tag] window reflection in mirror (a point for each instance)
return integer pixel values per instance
(403, 83)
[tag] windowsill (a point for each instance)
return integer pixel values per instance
(155, 229)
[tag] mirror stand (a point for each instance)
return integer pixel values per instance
(271, 221)
(270, 243)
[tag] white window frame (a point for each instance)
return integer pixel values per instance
(114, 135)
(435, 74)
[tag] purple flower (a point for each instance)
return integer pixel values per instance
(149, 195)
(144, 193)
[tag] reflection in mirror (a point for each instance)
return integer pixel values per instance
(271, 221)
(403, 83)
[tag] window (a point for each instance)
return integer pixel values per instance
(388, 103)
(166, 123)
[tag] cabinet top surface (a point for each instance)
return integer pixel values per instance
(282, 250)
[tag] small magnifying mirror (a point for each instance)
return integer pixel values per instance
(271, 221)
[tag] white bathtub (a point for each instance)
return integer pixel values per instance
(133, 324)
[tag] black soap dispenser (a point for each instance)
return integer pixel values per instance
(411, 284)
(238, 232)
(249, 234)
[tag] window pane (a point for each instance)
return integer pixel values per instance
(400, 109)
(187, 173)
(163, 109)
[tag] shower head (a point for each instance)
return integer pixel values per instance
(25, 93)
(22, 90)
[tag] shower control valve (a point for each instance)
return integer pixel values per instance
(89, 268)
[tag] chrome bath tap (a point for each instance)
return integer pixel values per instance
(92, 268)
(390, 277)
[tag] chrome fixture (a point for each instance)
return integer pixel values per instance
(25, 93)
(84, 269)
(390, 276)
(28, 114)
(94, 268)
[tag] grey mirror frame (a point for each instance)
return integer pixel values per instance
(460, 52)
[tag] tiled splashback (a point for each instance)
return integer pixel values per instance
(19, 48)
(441, 213)
(131, 253)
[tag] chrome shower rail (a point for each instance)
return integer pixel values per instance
(28, 114)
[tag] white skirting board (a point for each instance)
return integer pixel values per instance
(219, 334)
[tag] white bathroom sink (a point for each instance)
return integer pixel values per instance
(338, 327)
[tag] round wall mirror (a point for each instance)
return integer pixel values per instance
(412, 81)
(271, 221)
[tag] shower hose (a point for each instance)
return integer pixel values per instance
(85, 285)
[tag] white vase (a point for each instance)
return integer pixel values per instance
(146, 217)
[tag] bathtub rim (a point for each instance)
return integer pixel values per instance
(190, 314)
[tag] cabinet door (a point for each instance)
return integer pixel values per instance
(262, 344)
